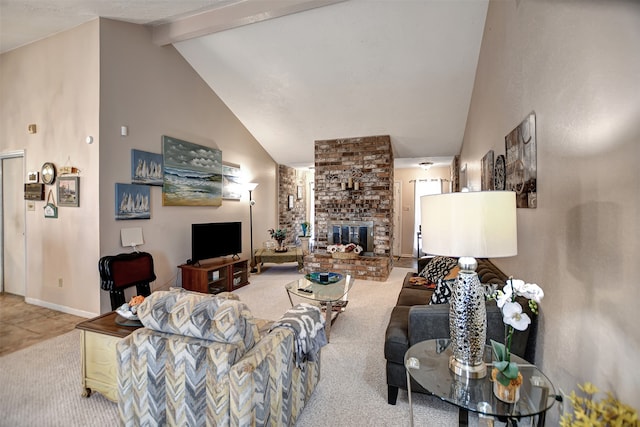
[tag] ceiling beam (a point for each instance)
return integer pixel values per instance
(233, 15)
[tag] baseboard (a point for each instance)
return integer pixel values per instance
(62, 308)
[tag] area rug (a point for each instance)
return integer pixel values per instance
(40, 385)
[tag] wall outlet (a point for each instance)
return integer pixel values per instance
(60, 282)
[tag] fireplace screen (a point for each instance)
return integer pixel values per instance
(345, 232)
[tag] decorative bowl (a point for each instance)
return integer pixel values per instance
(315, 278)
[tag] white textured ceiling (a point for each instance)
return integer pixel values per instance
(404, 68)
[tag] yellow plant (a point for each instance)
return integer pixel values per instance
(606, 412)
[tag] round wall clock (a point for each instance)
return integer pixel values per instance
(499, 174)
(48, 173)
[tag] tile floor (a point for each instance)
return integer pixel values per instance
(22, 324)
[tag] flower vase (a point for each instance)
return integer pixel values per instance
(507, 393)
(281, 246)
(304, 229)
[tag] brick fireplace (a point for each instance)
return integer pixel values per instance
(354, 189)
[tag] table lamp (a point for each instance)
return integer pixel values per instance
(468, 226)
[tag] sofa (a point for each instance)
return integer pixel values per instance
(204, 360)
(414, 319)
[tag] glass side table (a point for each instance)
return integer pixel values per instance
(427, 363)
(334, 296)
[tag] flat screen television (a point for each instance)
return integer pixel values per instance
(215, 239)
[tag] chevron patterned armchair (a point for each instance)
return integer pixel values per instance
(203, 360)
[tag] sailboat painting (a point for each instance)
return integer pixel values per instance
(192, 174)
(133, 201)
(146, 168)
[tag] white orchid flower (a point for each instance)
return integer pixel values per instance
(504, 296)
(516, 285)
(532, 291)
(512, 315)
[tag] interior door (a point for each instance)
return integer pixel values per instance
(397, 219)
(12, 177)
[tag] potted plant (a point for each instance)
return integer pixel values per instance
(505, 373)
(279, 235)
(608, 411)
(306, 226)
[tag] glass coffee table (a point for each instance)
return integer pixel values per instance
(427, 363)
(332, 296)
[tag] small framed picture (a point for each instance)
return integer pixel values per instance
(69, 191)
(299, 192)
(290, 202)
(33, 176)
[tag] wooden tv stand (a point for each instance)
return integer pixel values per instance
(216, 275)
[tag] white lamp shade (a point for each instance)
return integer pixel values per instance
(478, 224)
(251, 186)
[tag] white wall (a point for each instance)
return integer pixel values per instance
(89, 81)
(577, 65)
(406, 176)
(155, 92)
(54, 83)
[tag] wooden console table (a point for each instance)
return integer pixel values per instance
(269, 255)
(98, 339)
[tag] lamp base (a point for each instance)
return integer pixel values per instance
(462, 369)
(468, 322)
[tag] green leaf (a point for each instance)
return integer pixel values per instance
(511, 371)
(499, 350)
(501, 365)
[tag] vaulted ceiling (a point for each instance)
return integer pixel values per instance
(296, 71)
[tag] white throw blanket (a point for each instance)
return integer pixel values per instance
(307, 324)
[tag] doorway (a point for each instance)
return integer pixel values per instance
(397, 219)
(12, 223)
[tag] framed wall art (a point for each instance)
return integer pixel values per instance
(69, 191)
(192, 174)
(231, 182)
(33, 176)
(146, 168)
(290, 202)
(133, 201)
(487, 171)
(520, 162)
(299, 192)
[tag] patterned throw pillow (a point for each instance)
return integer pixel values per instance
(438, 268)
(442, 294)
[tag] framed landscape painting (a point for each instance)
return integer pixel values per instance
(132, 201)
(192, 174)
(146, 168)
(69, 191)
(231, 182)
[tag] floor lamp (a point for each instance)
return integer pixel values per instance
(471, 225)
(252, 186)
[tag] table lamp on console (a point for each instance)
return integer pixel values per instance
(469, 225)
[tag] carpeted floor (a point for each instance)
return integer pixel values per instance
(40, 385)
